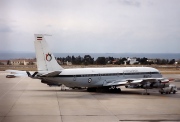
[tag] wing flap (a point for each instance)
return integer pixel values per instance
(136, 81)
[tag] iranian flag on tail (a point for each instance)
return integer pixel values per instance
(39, 38)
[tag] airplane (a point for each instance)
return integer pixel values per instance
(94, 79)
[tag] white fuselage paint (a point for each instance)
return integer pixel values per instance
(96, 77)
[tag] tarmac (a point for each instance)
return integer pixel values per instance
(28, 100)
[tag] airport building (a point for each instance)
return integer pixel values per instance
(18, 62)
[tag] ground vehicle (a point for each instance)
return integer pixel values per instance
(172, 88)
(10, 76)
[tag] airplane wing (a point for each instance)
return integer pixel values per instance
(124, 82)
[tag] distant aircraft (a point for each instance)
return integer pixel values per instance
(95, 79)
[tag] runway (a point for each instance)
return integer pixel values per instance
(28, 100)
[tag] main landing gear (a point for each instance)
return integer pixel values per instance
(114, 89)
(146, 92)
(105, 89)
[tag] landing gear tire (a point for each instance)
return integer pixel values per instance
(146, 94)
(91, 89)
(115, 90)
(102, 89)
(174, 92)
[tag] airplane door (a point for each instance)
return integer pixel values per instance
(99, 76)
(124, 75)
(74, 78)
(150, 74)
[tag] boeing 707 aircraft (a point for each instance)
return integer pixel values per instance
(95, 79)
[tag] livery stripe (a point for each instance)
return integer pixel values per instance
(109, 74)
(39, 38)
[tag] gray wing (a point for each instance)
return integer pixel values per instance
(123, 82)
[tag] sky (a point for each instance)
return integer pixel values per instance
(91, 26)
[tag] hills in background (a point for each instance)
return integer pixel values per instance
(30, 55)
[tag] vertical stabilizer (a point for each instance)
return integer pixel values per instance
(45, 59)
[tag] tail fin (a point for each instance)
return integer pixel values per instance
(45, 59)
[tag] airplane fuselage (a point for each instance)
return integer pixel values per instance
(97, 77)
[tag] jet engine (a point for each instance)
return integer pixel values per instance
(148, 85)
(155, 85)
(50, 83)
(133, 86)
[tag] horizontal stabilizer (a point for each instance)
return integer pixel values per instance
(17, 73)
(51, 74)
(32, 76)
